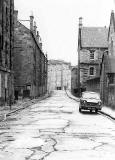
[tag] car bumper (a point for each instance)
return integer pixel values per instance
(86, 107)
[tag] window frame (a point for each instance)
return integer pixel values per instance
(92, 53)
(90, 71)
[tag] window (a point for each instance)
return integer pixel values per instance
(91, 71)
(91, 55)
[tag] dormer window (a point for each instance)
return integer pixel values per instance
(91, 55)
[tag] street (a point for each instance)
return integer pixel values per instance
(53, 129)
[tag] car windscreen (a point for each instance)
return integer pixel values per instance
(90, 95)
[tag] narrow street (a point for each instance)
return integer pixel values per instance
(54, 129)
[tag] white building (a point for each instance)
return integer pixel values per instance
(59, 75)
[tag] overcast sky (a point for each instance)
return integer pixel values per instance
(57, 22)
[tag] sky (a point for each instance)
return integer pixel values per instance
(57, 22)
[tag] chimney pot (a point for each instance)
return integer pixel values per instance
(80, 22)
(15, 16)
(31, 22)
(37, 33)
(35, 28)
(37, 36)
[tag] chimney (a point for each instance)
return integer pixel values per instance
(37, 33)
(31, 22)
(46, 55)
(35, 28)
(112, 13)
(80, 22)
(37, 36)
(15, 16)
(40, 42)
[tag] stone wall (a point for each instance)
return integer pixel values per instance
(86, 63)
(30, 63)
(6, 51)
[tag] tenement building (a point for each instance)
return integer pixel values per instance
(30, 63)
(92, 43)
(59, 75)
(6, 51)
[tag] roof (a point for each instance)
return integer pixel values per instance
(94, 37)
(58, 62)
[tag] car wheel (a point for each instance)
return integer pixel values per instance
(79, 109)
(96, 110)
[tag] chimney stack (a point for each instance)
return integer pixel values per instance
(35, 28)
(37, 33)
(46, 55)
(37, 36)
(80, 22)
(31, 23)
(40, 42)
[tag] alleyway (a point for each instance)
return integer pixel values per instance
(54, 129)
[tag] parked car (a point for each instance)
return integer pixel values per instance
(90, 101)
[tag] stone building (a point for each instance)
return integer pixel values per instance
(107, 80)
(30, 63)
(74, 80)
(6, 51)
(92, 42)
(59, 75)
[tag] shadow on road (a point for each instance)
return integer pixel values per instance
(88, 113)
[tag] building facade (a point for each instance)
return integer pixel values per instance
(107, 74)
(6, 51)
(59, 75)
(30, 63)
(92, 42)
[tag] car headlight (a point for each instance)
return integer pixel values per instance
(99, 103)
(83, 102)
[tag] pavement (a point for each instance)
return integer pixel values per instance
(105, 109)
(5, 111)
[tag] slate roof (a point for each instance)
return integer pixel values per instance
(94, 37)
